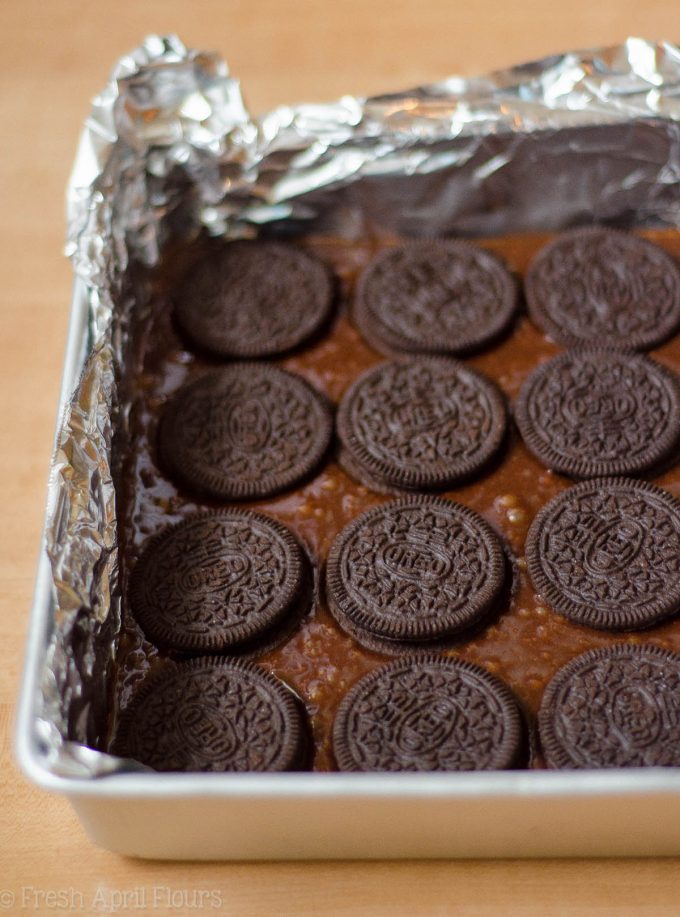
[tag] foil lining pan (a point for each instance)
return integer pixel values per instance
(170, 151)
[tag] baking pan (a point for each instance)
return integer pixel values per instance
(134, 811)
(315, 816)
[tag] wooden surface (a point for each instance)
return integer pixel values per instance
(54, 55)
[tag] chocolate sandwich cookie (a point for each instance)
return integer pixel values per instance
(413, 572)
(424, 424)
(606, 554)
(594, 411)
(213, 714)
(244, 432)
(604, 285)
(254, 299)
(437, 297)
(220, 582)
(429, 713)
(618, 706)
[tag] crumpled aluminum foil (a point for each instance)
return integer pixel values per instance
(169, 150)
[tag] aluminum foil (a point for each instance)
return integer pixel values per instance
(170, 151)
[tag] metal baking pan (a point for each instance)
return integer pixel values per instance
(474, 159)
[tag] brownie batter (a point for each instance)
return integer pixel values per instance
(524, 644)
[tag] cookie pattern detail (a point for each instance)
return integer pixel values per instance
(434, 714)
(607, 553)
(213, 717)
(416, 569)
(436, 297)
(215, 580)
(617, 707)
(245, 431)
(254, 299)
(418, 560)
(425, 423)
(597, 284)
(596, 411)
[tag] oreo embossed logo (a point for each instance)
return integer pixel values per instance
(414, 561)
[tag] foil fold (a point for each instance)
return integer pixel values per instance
(170, 151)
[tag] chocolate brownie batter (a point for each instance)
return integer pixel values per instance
(525, 644)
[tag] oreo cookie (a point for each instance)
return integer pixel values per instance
(435, 297)
(244, 432)
(603, 284)
(429, 713)
(254, 299)
(613, 707)
(594, 411)
(414, 572)
(234, 581)
(213, 714)
(429, 423)
(606, 554)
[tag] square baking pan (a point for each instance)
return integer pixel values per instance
(627, 812)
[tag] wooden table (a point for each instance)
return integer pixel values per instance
(53, 57)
